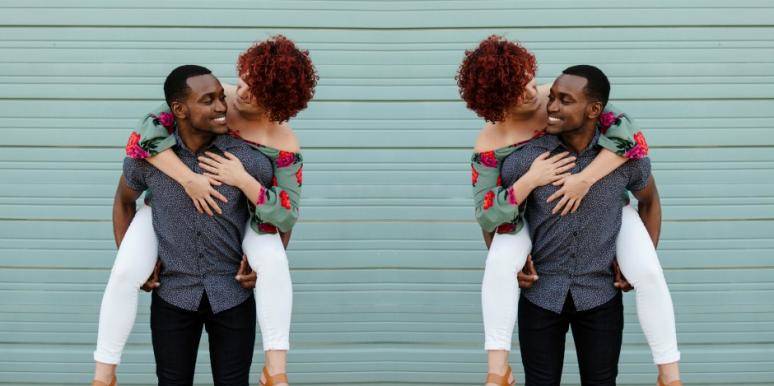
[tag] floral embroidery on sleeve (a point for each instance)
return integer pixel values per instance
(506, 228)
(474, 175)
(165, 119)
(488, 159)
(285, 200)
(488, 200)
(265, 227)
(261, 196)
(300, 175)
(608, 119)
(133, 148)
(285, 159)
(512, 196)
(640, 148)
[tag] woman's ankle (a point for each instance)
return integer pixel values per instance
(104, 372)
(669, 372)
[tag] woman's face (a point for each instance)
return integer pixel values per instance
(245, 101)
(528, 102)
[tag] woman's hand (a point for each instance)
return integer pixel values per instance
(546, 170)
(200, 189)
(573, 188)
(227, 170)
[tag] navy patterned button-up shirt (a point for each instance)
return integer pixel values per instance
(574, 253)
(198, 252)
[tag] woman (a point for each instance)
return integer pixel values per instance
(497, 81)
(276, 81)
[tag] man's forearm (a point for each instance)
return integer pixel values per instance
(123, 213)
(124, 209)
(650, 213)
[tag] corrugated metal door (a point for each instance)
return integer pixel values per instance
(387, 259)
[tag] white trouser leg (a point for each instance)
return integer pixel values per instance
(639, 263)
(134, 263)
(500, 288)
(273, 290)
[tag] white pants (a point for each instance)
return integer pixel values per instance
(638, 261)
(136, 259)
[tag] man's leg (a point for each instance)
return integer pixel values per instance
(598, 334)
(175, 333)
(541, 339)
(232, 340)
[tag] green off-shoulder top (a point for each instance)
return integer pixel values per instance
(275, 208)
(495, 205)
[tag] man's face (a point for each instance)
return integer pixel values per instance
(567, 104)
(206, 104)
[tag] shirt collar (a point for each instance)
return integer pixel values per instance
(222, 142)
(552, 142)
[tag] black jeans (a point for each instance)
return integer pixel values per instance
(176, 333)
(597, 333)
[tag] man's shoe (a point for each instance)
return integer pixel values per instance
(272, 380)
(100, 383)
(501, 380)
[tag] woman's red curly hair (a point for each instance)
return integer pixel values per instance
(492, 78)
(281, 77)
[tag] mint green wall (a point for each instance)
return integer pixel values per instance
(386, 272)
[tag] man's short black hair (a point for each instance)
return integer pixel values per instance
(176, 85)
(597, 87)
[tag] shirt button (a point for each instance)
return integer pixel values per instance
(572, 255)
(198, 233)
(575, 234)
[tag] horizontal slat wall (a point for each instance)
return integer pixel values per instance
(386, 260)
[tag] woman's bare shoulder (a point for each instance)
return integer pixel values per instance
(488, 139)
(283, 138)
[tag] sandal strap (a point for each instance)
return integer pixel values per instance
(272, 380)
(100, 383)
(501, 380)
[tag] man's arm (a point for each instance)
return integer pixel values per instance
(649, 207)
(124, 208)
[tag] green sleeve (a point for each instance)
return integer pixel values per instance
(277, 206)
(621, 135)
(153, 134)
(495, 205)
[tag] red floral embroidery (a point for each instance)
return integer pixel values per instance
(606, 120)
(499, 181)
(133, 148)
(488, 159)
(261, 196)
(474, 175)
(274, 181)
(506, 228)
(284, 199)
(512, 197)
(285, 158)
(640, 149)
(167, 120)
(489, 199)
(300, 175)
(267, 228)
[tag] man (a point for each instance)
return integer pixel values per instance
(199, 254)
(573, 255)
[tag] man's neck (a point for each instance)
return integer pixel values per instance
(194, 140)
(579, 140)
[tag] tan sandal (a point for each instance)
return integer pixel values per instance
(100, 383)
(272, 380)
(501, 380)
(673, 383)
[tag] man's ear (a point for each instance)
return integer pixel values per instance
(179, 110)
(594, 110)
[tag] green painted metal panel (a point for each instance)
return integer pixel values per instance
(386, 271)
